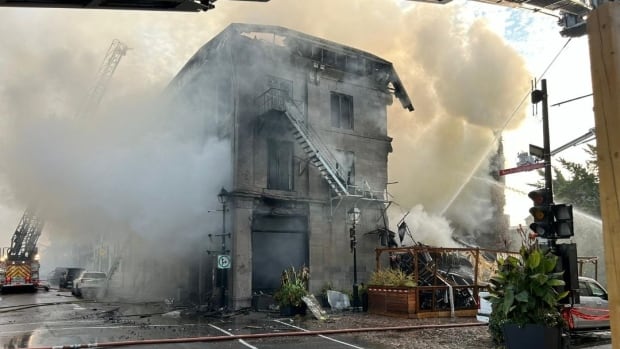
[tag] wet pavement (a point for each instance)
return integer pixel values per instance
(55, 318)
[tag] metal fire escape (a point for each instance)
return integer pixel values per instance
(318, 154)
(116, 51)
(24, 240)
(315, 149)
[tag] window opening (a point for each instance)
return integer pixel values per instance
(280, 165)
(342, 111)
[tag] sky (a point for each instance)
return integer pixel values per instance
(467, 66)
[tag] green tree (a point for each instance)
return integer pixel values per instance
(580, 186)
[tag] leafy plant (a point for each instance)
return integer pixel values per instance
(293, 286)
(391, 277)
(523, 290)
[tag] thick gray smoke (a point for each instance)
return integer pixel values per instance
(136, 171)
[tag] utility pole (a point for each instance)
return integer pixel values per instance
(537, 97)
(603, 34)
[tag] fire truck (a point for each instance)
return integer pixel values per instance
(19, 264)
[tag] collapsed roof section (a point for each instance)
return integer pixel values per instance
(330, 55)
(323, 54)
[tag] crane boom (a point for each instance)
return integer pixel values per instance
(110, 62)
(24, 240)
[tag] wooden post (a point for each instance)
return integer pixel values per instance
(604, 38)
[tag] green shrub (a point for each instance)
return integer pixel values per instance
(293, 286)
(523, 291)
(391, 277)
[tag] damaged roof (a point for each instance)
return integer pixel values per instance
(325, 52)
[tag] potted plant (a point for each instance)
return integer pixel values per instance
(293, 286)
(525, 301)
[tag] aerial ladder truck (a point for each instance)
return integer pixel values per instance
(19, 264)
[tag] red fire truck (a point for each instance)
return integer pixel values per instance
(19, 264)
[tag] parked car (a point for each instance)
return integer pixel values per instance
(90, 284)
(62, 277)
(592, 302)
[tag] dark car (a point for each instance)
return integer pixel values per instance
(63, 277)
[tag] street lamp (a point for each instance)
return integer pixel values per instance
(354, 217)
(222, 197)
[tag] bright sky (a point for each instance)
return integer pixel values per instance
(162, 42)
(568, 77)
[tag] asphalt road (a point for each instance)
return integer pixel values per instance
(54, 318)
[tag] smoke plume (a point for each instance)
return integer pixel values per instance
(135, 168)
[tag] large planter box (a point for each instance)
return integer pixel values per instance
(532, 337)
(392, 301)
(403, 302)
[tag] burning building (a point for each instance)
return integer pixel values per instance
(306, 123)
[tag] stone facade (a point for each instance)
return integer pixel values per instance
(282, 211)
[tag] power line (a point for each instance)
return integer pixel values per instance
(514, 112)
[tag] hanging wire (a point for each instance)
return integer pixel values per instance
(514, 112)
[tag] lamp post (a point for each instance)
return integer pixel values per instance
(222, 197)
(354, 216)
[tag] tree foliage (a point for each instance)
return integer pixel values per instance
(580, 186)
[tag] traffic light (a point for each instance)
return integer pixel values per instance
(563, 220)
(543, 214)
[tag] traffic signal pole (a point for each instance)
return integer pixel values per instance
(541, 96)
(546, 142)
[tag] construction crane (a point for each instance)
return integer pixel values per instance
(145, 5)
(110, 62)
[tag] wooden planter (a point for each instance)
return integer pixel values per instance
(403, 302)
(392, 301)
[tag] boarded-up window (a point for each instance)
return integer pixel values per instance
(280, 165)
(342, 111)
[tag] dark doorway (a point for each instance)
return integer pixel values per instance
(278, 242)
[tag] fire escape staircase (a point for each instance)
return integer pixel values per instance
(279, 101)
(315, 149)
(317, 152)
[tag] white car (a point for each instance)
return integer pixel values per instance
(592, 303)
(90, 284)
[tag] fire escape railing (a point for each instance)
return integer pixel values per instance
(318, 153)
(320, 156)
